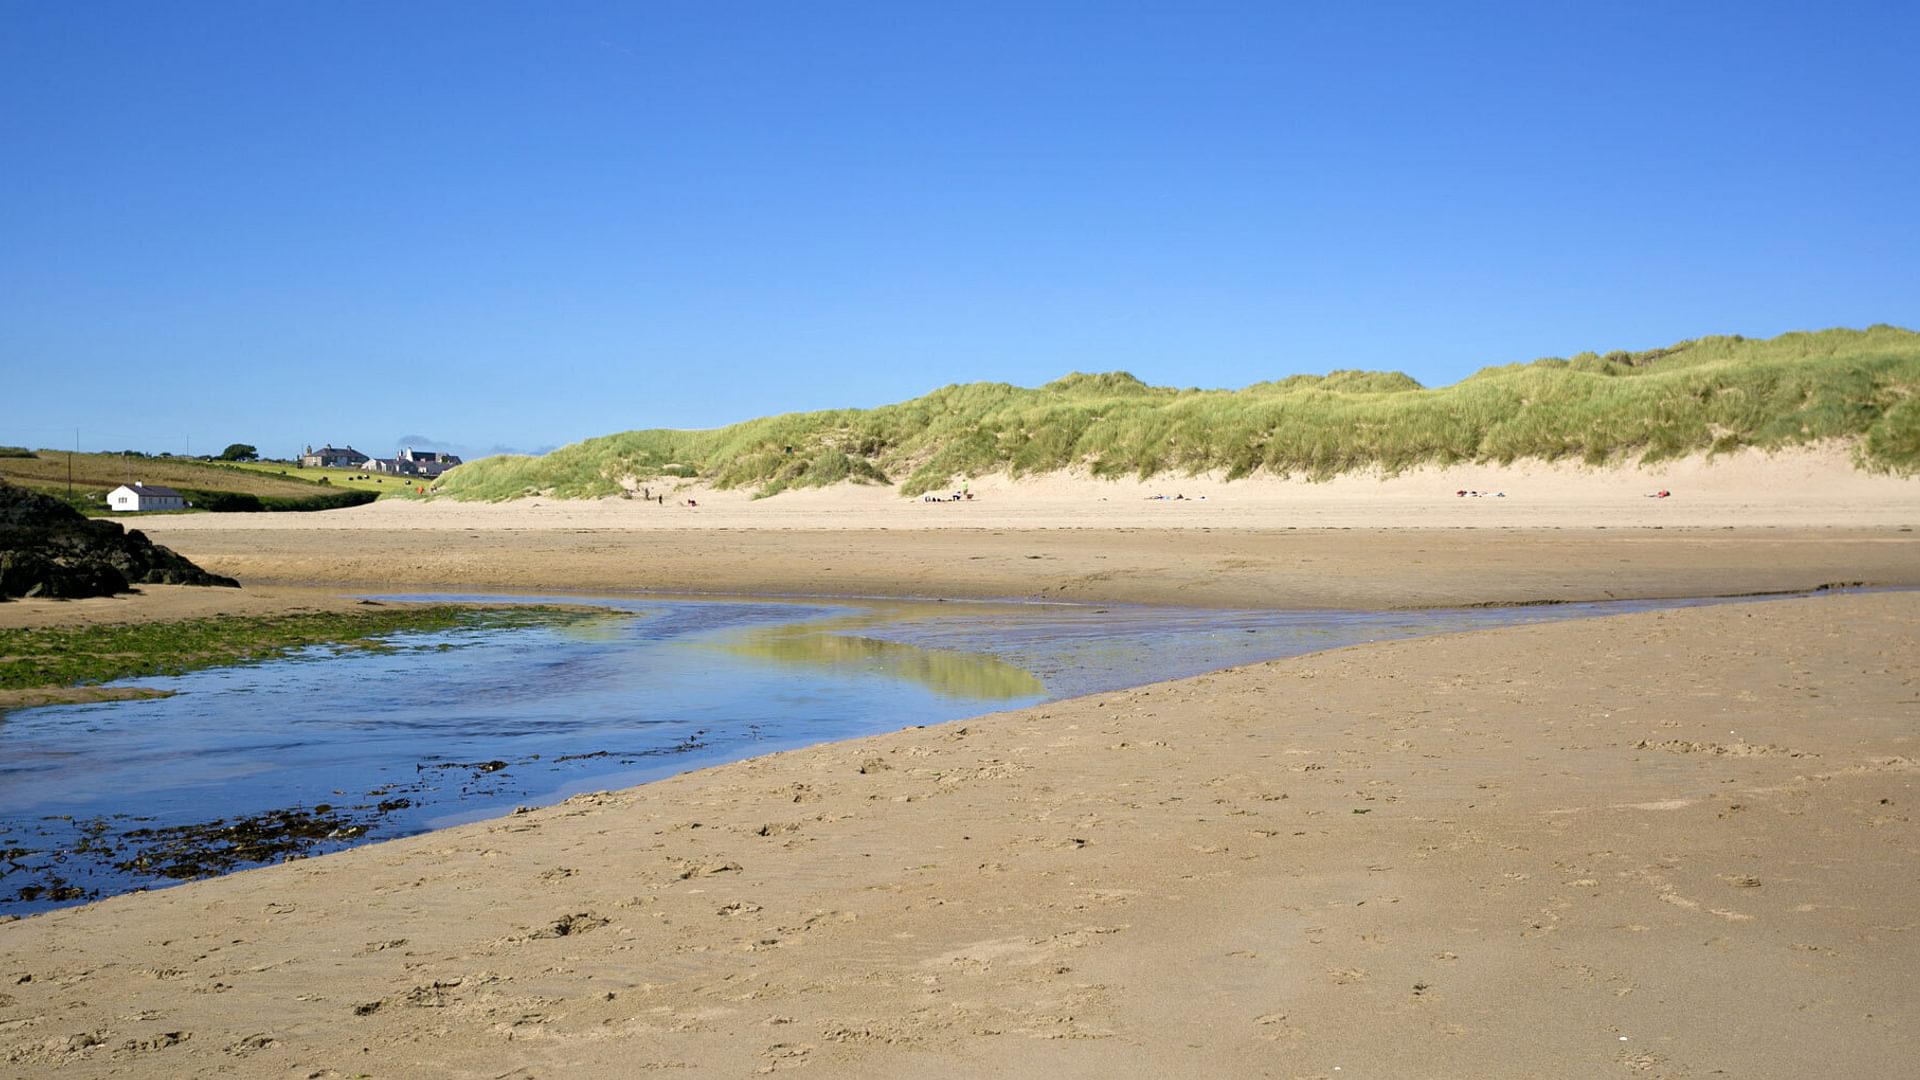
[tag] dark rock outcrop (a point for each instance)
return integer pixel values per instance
(47, 548)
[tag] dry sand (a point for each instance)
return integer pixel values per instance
(1659, 845)
(1744, 524)
(1806, 488)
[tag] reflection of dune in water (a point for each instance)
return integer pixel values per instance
(944, 671)
(608, 628)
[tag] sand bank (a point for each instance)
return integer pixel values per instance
(1358, 568)
(1743, 524)
(1665, 844)
(1803, 488)
(156, 602)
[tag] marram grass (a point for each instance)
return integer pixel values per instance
(1713, 395)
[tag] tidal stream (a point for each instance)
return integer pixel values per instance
(259, 763)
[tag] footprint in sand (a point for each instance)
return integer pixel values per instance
(251, 1044)
(571, 925)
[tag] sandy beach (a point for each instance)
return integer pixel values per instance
(1740, 524)
(1667, 844)
(721, 547)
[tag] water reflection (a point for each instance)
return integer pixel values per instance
(949, 672)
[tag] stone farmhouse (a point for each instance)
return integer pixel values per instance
(332, 457)
(145, 497)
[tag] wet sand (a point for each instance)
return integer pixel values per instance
(1251, 568)
(151, 603)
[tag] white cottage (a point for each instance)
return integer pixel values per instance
(145, 497)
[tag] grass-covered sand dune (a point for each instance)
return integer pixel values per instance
(1711, 395)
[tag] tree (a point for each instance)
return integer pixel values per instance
(240, 452)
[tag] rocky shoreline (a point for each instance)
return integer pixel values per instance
(48, 549)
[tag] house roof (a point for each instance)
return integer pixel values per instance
(153, 489)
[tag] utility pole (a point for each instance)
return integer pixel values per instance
(76, 449)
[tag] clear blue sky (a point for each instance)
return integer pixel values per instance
(517, 225)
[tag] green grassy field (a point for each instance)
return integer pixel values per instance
(1712, 395)
(348, 479)
(209, 485)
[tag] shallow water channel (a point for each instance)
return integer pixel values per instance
(321, 751)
